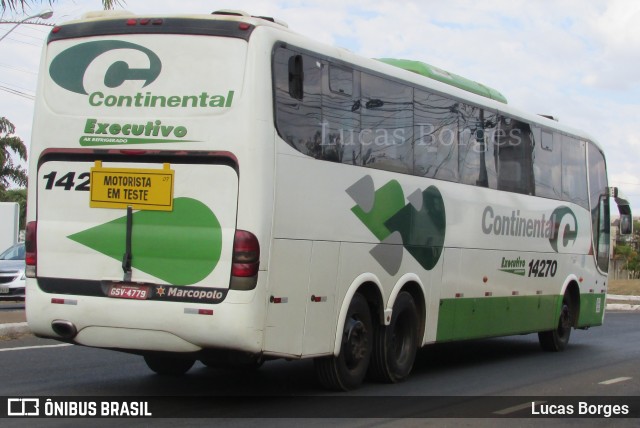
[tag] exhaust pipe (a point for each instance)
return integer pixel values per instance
(65, 329)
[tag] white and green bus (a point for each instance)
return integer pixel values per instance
(218, 188)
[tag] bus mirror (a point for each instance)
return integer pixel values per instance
(624, 208)
(626, 224)
(296, 77)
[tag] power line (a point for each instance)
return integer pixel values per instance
(17, 87)
(17, 92)
(26, 43)
(39, 37)
(15, 24)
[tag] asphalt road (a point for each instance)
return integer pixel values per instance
(603, 361)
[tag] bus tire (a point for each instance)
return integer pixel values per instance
(558, 339)
(348, 369)
(167, 365)
(396, 345)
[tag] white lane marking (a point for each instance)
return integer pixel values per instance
(616, 380)
(517, 408)
(34, 347)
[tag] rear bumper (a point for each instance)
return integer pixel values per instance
(138, 326)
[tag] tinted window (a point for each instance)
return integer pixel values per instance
(387, 124)
(515, 155)
(299, 120)
(335, 113)
(341, 117)
(547, 169)
(489, 151)
(472, 145)
(436, 136)
(340, 80)
(574, 171)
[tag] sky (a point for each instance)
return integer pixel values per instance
(576, 60)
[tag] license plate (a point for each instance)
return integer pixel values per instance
(141, 189)
(125, 291)
(4, 290)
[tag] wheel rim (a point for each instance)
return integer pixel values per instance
(356, 343)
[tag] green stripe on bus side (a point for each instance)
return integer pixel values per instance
(591, 309)
(469, 318)
(502, 316)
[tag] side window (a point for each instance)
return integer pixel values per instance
(599, 201)
(341, 116)
(298, 79)
(547, 169)
(436, 136)
(515, 156)
(387, 124)
(574, 171)
(340, 80)
(489, 150)
(475, 145)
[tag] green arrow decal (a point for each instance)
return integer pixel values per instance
(181, 247)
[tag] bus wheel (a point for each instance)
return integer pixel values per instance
(558, 339)
(166, 365)
(396, 345)
(348, 369)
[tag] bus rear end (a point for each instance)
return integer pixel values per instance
(134, 241)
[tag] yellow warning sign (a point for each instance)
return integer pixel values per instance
(141, 189)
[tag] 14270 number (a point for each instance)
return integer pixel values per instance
(543, 268)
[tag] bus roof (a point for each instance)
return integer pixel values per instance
(444, 76)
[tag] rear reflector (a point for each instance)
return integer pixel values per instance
(31, 249)
(59, 301)
(194, 311)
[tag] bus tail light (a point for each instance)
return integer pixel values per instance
(245, 261)
(31, 249)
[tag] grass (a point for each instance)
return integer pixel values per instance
(629, 287)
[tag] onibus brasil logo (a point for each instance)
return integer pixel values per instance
(69, 70)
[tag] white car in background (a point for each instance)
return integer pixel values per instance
(12, 275)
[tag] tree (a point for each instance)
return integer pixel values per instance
(10, 145)
(631, 259)
(15, 5)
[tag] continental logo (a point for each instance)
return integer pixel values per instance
(70, 69)
(560, 228)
